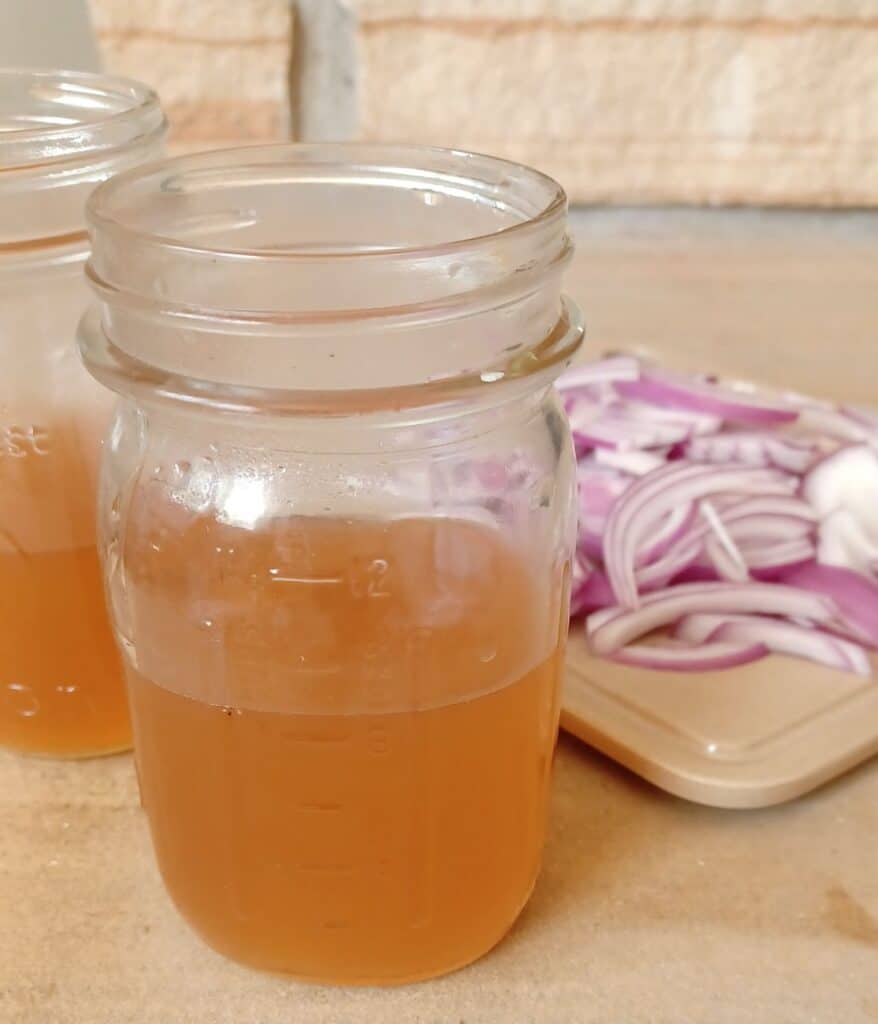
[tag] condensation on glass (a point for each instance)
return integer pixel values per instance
(336, 521)
(61, 133)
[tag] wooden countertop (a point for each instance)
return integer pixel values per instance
(648, 909)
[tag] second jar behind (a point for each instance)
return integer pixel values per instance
(336, 523)
(61, 133)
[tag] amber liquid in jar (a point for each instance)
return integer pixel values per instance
(62, 690)
(344, 732)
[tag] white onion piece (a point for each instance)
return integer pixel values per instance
(612, 628)
(778, 636)
(843, 489)
(844, 541)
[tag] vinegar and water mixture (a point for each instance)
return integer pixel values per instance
(344, 731)
(61, 686)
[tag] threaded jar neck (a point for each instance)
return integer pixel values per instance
(327, 278)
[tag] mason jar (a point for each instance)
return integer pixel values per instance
(336, 519)
(61, 686)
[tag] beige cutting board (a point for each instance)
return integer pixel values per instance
(792, 316)
(747, 737)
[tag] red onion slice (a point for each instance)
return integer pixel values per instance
(817, 419)
(696, 423)
(690, 479)
(728, 564)
(778, 636)
(636, 463)
(581, 571)
(650, 498)
(585, 375)
(855, 595)
(779, 518)
(592, 593)
(708, 657)
(678, 524)
(867, 418)
(595, 427)
(612, 628)
(737, 406)
(772, 558)
(754, 449)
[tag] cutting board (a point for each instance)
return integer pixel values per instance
(799, 316)
(751, 736)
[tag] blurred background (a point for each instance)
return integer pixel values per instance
(701, 102)
(766, 102)
(720, 155)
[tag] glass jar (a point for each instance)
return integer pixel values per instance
(336, 520)
(61, 686)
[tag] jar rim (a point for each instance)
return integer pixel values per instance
(99, 112)
(377, 155)
(327, 277)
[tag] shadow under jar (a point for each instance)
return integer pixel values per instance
(62, 691)
(337, 513)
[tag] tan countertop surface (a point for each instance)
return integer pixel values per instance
(648, 909)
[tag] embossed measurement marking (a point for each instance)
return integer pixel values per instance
(19, 442)
(308, 579)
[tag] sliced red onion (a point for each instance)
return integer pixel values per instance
(650, 498)
(729, 565)
(678, 523)
(696, 423)
(778, 518)
(818, 419)
(689, 479)
(590, 543)
(754, 449)
(672, 564)
(737, 406)
(612, 628)
(707, 657)
(580, 573)
(594, 427)
(587, 374)
(867, 418)
(592, 593)
(772, 558)
(778, 636)
(637, 463)
(855, 595)
(721, 549)
(598, 489)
